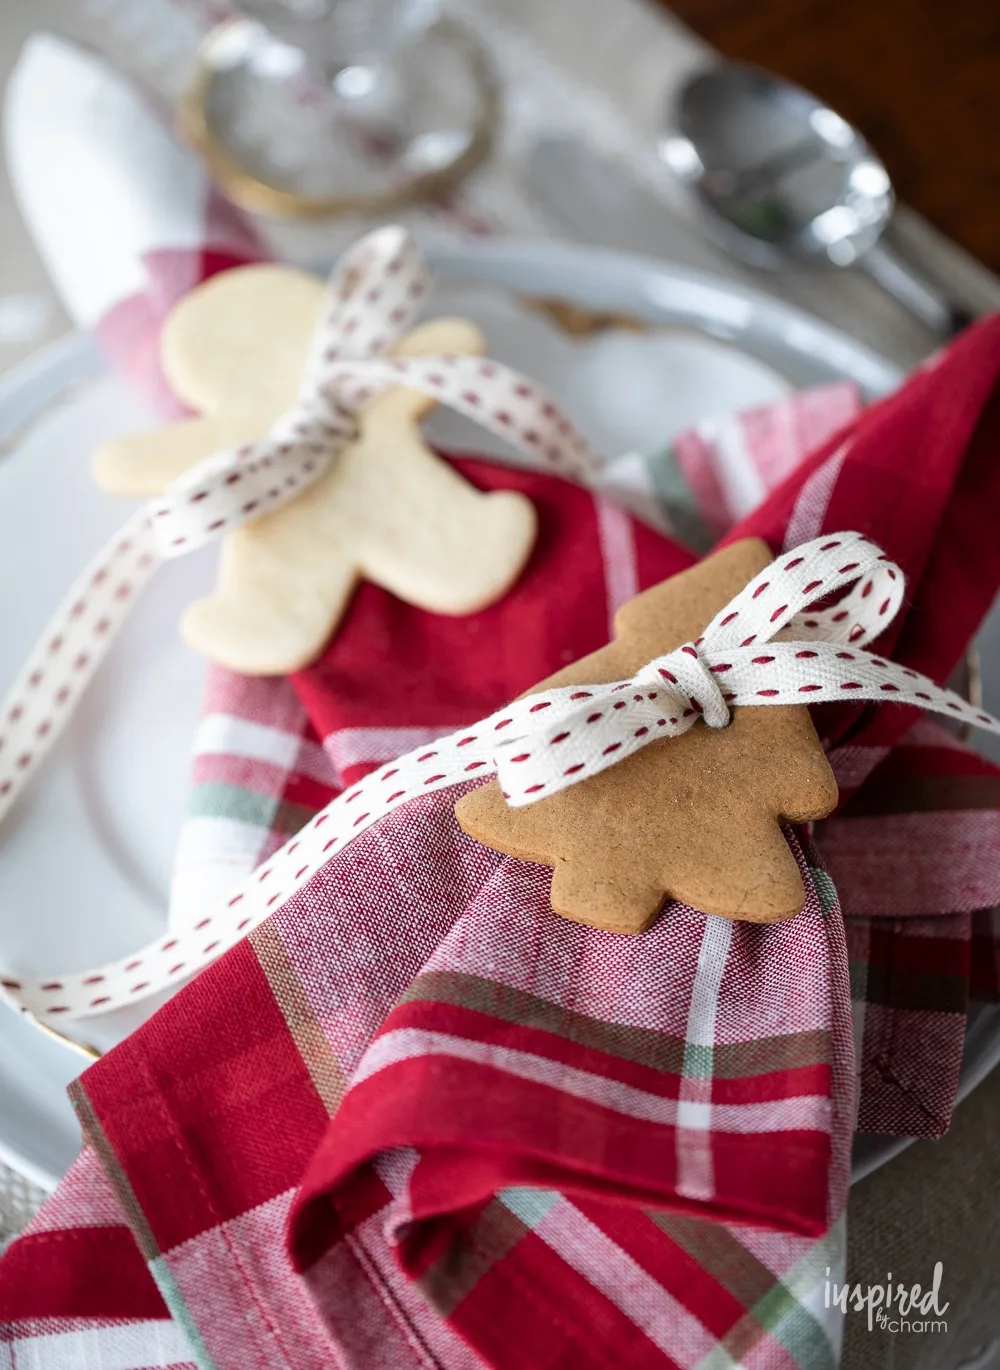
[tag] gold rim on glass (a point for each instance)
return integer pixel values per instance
(259, 197)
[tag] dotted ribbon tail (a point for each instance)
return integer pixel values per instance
(770, 645)
(376, 292)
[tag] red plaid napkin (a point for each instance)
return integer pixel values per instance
(921, 838)
(529, 1122)
(260, 772)
(493, 1129)
(620, 1091)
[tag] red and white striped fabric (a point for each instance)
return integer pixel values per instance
(731, 463)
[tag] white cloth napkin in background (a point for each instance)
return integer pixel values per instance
(124, 217)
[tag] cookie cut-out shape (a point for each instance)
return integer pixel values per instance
(696, 818)
(387, 510)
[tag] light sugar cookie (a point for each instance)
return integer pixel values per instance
(388, 509)
(694, 818)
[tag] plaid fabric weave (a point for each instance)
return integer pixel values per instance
(618, 1091)
(915, 848)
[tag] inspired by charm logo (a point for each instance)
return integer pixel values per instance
(902, 1309)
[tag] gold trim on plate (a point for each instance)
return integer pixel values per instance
(83, 1048)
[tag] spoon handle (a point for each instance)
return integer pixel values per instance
(914, 291)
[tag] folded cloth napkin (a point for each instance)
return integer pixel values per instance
(125, 218)
(620, 1090)
(642, 1149)
(489, 1133)
(916, 908)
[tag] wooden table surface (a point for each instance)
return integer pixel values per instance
(921, 78)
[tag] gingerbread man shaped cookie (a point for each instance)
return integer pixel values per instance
(694, 818)
(388, 509)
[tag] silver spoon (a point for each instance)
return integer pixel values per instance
(777, 175)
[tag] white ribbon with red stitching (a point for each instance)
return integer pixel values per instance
(371, 300)
(370, 303)
(769, 645)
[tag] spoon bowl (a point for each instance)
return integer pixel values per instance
(786, 174)
(778, 176)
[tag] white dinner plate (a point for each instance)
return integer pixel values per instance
(115, 787)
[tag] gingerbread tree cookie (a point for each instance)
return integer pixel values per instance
(695, 818)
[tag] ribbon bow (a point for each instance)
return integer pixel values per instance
(771, 644)
(380, 285)
(377, 289)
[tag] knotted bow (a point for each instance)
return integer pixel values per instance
(372, 299)
(769, 645)
(378, 288)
